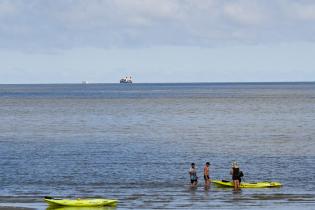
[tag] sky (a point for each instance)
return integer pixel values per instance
(101, 41)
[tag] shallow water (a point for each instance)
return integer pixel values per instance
(136, 142)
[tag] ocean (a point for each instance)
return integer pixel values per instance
(135, 143)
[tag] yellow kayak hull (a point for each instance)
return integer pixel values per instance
(81, 202)
(223, 183)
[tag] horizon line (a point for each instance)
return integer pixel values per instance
(112, 83)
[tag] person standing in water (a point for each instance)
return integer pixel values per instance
(193, 175)
(206, 174)
(235, 175)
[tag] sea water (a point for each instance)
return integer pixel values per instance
(135, 143)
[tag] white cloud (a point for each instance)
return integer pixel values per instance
(7, 8)
(245, 12)
(124, 13)
(129, 23)
(159, 9)
(303, 11)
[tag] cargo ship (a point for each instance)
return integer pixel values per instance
(126, 80)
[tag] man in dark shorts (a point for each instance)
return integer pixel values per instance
(193, 175)
(206, 174)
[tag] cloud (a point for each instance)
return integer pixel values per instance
(7, 8)
(120, 13)
(303, 11)
(59, 24)
(149, 9)
(245, 12)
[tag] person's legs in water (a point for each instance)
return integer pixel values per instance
(236, 184)
(206, 178)
(195, 183)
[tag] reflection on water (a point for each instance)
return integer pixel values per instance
(79, 208)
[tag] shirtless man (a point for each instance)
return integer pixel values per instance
(206, 174)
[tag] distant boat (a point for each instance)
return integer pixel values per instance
(126, 80)
(85, 82)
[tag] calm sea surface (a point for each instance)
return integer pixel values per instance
(136, 142)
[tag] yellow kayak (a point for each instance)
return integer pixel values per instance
(224, 183)
(80, 202)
